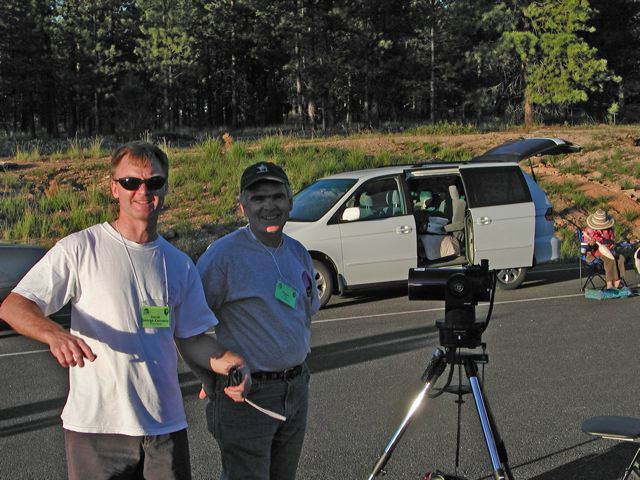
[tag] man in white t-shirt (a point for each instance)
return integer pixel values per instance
(133, 298)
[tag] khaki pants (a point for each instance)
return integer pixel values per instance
(611, 273)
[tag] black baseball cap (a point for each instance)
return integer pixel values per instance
(262, 171)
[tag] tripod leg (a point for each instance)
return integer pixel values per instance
(498, 458)
(502, 449)
(430, 376)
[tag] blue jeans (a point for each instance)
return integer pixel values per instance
(254, 446)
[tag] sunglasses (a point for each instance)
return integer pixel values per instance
(133, 183)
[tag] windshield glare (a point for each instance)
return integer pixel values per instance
(313, 201)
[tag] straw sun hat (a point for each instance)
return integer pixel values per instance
(599, 220)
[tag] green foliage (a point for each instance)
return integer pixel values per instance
(430, 150)
(573, 167)
(95, 150)
(53, 214)
(582, 201)
(612, 111)
(28, 154)
(565, 187)
(271, 146)
(454, 154)
(602, 202)
(630, 215)
(560, 68)
(627, 184)
(211, 148)
(123, 66)
(443, 128)
(74, 148)
(569, 244)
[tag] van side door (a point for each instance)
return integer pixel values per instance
(380, 245)
(501, 215)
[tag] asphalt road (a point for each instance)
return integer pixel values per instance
(555, 359)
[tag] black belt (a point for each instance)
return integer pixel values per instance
(281, 375)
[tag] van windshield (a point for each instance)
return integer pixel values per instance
(313, 201)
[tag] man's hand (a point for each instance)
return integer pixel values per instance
(26, 318)
(226, 362)
(69, 350)
(203, 353)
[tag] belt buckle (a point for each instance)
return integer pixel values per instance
(291, 372)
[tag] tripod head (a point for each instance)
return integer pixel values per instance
(461, 289)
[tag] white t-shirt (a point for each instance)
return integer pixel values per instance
(132, 387)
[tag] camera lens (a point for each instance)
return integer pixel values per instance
(458, 285)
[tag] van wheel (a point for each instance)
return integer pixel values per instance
(510, 278)
(324, 282)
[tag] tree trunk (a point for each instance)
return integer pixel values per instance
(621, 101)
(528, 111)
(432, 81)
(311, 112)
(165, 103)
(298, 108)
(96, 112)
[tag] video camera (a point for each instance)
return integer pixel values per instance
(461, 288)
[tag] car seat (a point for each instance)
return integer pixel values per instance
(366, 206)
(393, 207)
(424, 200)
(458, 206)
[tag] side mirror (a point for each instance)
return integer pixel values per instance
(350, 214)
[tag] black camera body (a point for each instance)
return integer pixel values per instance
(461, 288)
(234, 377)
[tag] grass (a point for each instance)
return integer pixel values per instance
(26, 153)
(627, 184)
(52, 214)
(74, 148)
(565, 188)
(569, 244)
(444, 128)
(204, 179)
(573, 167)
(580, 200)
(95, 150)
(630, 215)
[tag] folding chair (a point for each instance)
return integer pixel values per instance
(592, 269)
(622, 429)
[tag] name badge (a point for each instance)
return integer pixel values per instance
(286, 294)
(155, 317)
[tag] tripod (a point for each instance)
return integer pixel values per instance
(439, 360)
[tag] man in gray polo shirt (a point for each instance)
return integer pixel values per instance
(260, 284)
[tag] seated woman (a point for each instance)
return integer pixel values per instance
(600, 237)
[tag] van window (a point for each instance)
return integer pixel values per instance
(379, 198)
(313, 201)
(489, 186)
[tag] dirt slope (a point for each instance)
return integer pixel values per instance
(603, 146)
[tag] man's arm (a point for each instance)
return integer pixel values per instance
(202, 353)
(26, 318)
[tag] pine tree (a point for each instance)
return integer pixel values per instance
(560, 68)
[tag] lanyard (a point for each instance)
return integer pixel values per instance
(135, 274)
(273, 254)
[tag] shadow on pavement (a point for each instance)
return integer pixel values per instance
(366, 296)
(351, 352)
(609, 465)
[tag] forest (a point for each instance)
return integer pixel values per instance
(79, 67)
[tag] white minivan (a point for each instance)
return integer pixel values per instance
(367, 228)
